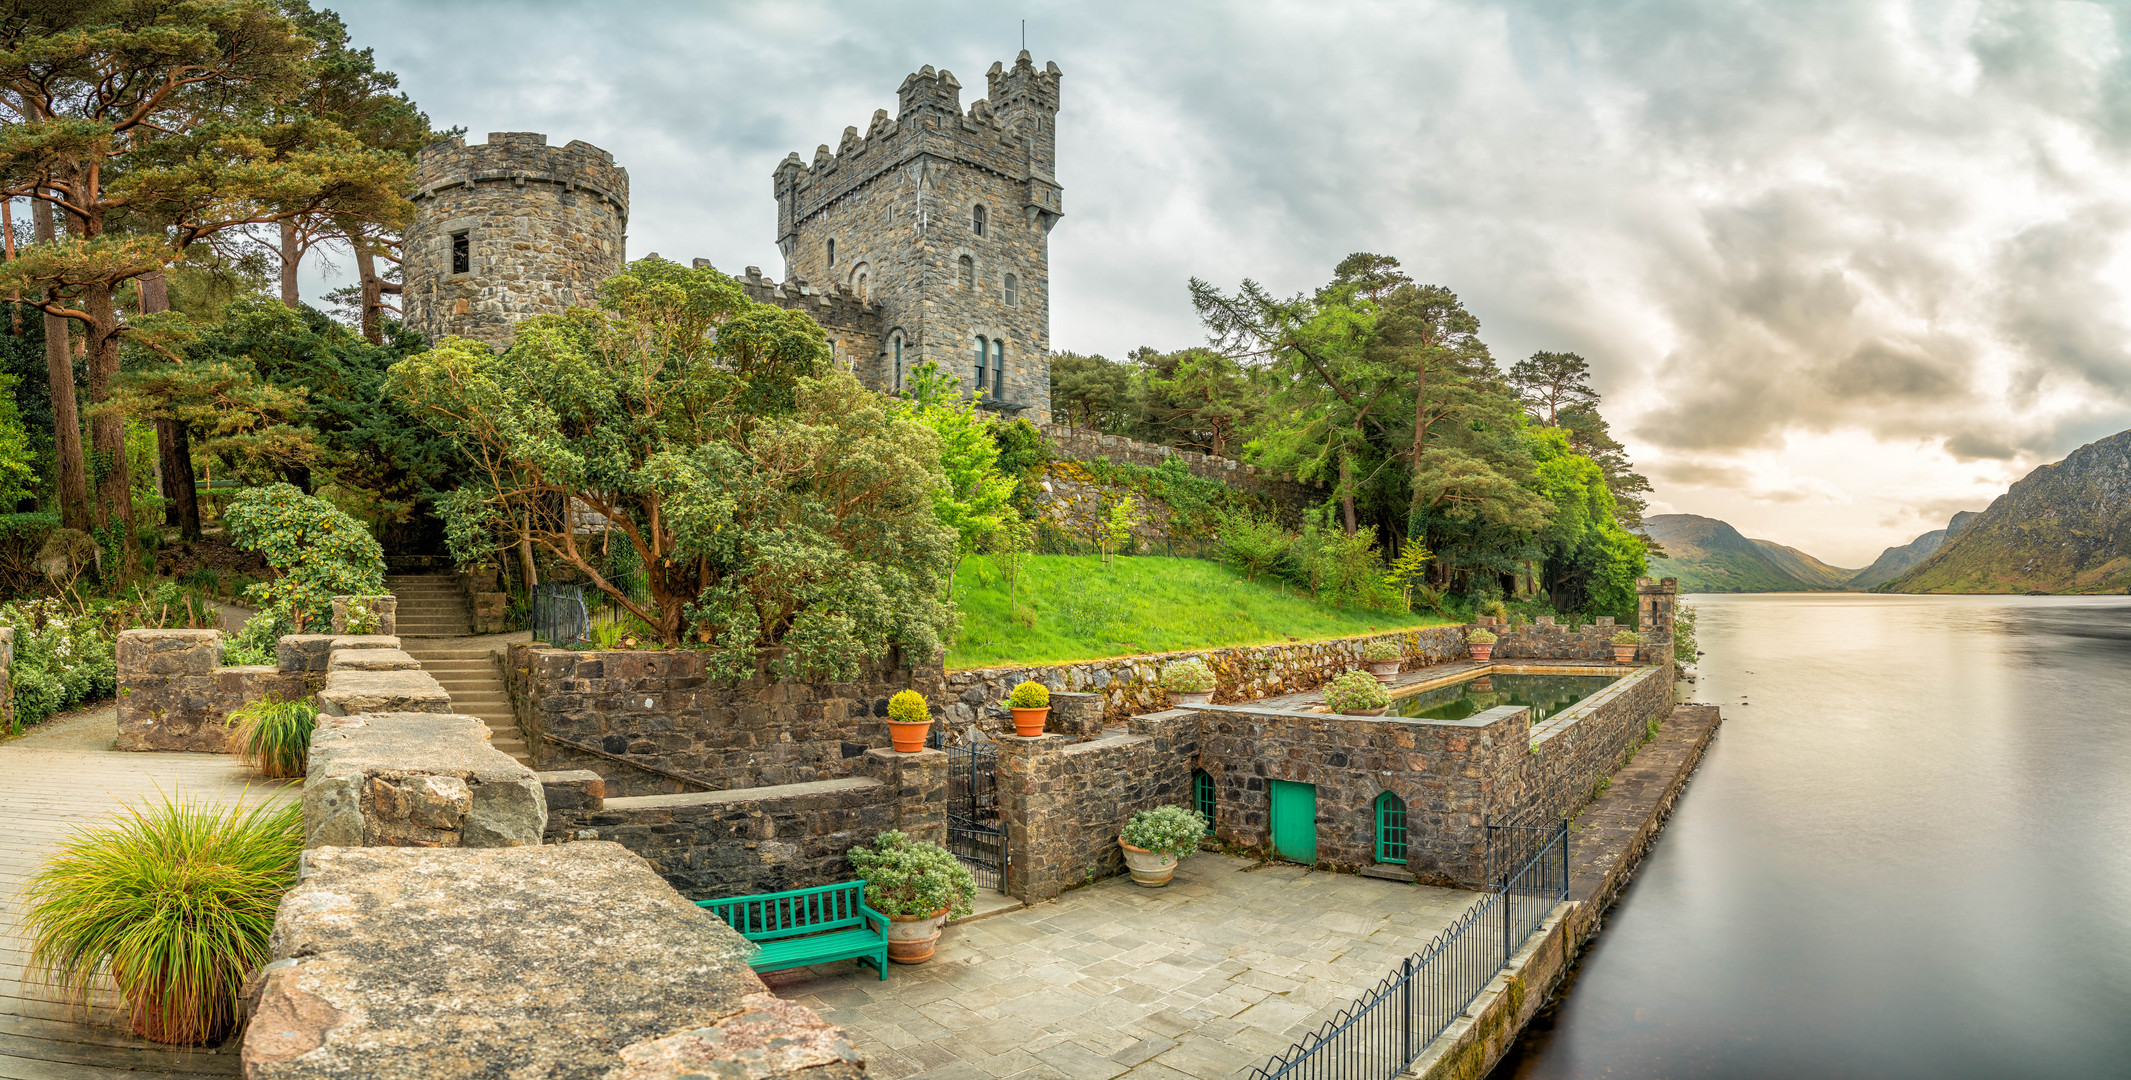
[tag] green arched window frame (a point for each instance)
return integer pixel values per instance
(1390, 829)
(1202, 798)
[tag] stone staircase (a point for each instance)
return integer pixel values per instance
(434, 628)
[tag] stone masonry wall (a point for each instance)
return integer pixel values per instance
(1063, 802)
(716, 844)
(1548, 640)
(1573, 750)
(1078, 444)
(173, 693)
(656, 710)
(973, 696)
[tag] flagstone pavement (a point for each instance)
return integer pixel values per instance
(1228, 965)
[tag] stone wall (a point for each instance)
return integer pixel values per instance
(656, 710)
(1572, 750)
(569, 961)
(1063, 801)
(173, 693)
(411, 779)
(716, 844)
(973, 697)
(1078, 444)
(1547, 640)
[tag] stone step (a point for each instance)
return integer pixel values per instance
(449, 653)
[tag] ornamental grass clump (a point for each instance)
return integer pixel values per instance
(908, 707)
(1165, 830)
(913, 879)
(1188, 677)
(173, 902)
(1381, 651)
(1029, 695)
(275, 735)
(1355, 692)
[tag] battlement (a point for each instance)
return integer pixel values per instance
(1022, 85)
(838, 305)
(519, 158)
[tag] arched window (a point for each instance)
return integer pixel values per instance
(832, 251)
(862, 281)
(976, 219)
(898, 363)
(1013, 288)
(1202, 798)
(969, 272)
(1390, 829)
(981, 346)
(998, 367)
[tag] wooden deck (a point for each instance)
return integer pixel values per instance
(61, 774)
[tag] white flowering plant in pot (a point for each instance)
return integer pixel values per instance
(1155, 839)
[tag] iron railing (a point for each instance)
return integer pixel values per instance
(575, 615)
(974, 831)
(1385, 1030)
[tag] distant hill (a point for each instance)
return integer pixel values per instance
(1894, 561)
(1708, 555)
(2064, 528)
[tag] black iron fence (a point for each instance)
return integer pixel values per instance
(974, 831)
(1382, 1033)
(581, 615)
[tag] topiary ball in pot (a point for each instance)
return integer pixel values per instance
(1154, 840)
(918, 885)
(909, 720)
(1030, 703)
(1356, 693)
(1189, 682)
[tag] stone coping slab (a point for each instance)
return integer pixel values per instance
(741, 795)
(351, 692)
(416, 779)
(372, 660)
(364, 641)
(570, 961)
(1477, 720)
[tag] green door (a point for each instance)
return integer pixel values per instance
(1295, 822)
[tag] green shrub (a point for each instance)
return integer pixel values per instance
(1627, 637)
(63, 657)
(1166, 829)
(908, 707)
(362, 619)
(1256, 546)
(1381, 651)
(1030, 695)
(913, 879)
(256, 643)
(275, 735)
(1684, 647)
(173, 605)
(319, 552)
(173, 902)
(1355, 692)
(1188, 677)
(1480, 635)
(22, 536)
(1495, 609)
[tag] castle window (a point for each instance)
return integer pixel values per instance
(462, 253)
(898, 364)
(976, 220)
(832, 251)
(998, 367)
(1013, 288)
(864, 281)
(1390, 829)
(981, 346)
(1202, 797)
(968, 267)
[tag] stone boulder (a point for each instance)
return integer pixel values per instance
(416, 779)
(571, 961)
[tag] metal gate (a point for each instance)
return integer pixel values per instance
(974, 832)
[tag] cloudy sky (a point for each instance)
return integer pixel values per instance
(1841, 268)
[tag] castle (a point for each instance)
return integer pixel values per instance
(926, 238)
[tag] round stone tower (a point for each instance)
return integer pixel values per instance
(509, 229)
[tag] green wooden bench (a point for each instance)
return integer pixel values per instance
(808, 926)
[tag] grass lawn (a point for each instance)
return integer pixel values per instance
(1074, 608)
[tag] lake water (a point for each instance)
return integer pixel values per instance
(1546, 694)
(1906, 854)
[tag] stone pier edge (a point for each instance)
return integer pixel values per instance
(1607, 843)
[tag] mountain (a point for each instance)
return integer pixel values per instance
(1708, 555)
(2064, 528)
(1895, 560)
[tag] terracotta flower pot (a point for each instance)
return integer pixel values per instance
(1480, 651)
(153, 1017)
(1150, 869)
(1624, 654)
(912, 939)
(1028, 723)
(908, 738)
(1385, 671)
(1204, 697)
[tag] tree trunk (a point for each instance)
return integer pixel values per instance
(107, 427)
(373, 293)
(73, 486)
(173, 437)
(291, 257)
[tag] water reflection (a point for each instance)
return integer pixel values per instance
(1907, 854)
(1546, 694)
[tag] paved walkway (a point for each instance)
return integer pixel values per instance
(1208, 977)
(61, 774)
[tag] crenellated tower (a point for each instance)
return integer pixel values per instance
(942, 218)
(509, 229)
